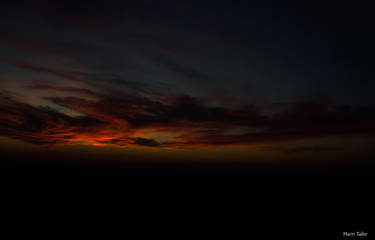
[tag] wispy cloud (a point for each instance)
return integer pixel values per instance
(131, 73)
(119, 120)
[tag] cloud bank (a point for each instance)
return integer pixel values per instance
(126, 120)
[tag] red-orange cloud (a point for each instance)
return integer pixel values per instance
(124, 120)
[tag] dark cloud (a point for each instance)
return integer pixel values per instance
(63, 89)
(146, 66)
(40, 46)
(44, 70)
(40, 125)
(145, 142)
(100, 81)
(187, 72)
(120, 121)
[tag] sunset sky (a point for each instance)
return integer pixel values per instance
(194, 80)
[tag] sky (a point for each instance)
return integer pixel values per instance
(207, 80)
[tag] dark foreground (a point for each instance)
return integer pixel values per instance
(266, 200)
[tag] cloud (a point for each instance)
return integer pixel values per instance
(96, 80)
(145, 142)
(41, 125)
(63, 89)
(44, 70)
(119, 120)
(179, 69)
(32, 45)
